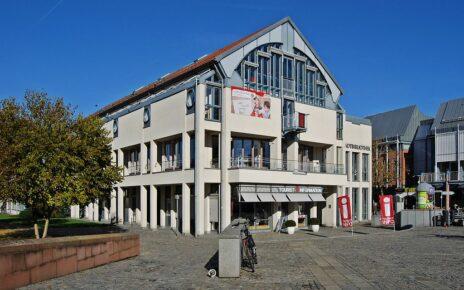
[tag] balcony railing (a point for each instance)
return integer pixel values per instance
(451, 176)
(286, 165)
(294, 123)
(132, 169)
(171, 165)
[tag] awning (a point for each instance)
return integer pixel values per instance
(266, 197)
(298, 197)
(316, 197)
(249, 197)
(280, 197)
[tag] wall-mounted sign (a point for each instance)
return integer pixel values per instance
(358, 147)
(251, 103)
(262, 188)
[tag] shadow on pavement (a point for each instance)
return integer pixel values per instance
(213, 262)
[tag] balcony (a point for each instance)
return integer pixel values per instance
(132, 169)
(451, 176)
(286, 165)
(171, 165)
(294, 123)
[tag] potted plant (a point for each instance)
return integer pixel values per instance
(290, 226)
(314, 222)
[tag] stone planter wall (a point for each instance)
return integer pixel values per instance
(33, 261)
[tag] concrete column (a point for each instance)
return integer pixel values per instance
(199, 160)
(113, 206)
(96, 211)
(106, 211)
(225, 198)
(185, 209)
(120, 205)
(369, 204)
(153, 207)
(121, 160)
(292, 155)
(313, 210)
(154, 156)
(348, 174)
(173, 208)
(360, 204)
(143, 206)
(185, 150)
(277, 214)
(138, 212)
(207, 217)
(162, 207)
(143, 158)
(293, 215)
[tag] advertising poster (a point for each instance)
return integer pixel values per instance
(344, 206)
(387, 210)
(251, 103)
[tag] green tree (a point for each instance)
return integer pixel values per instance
(51, 158)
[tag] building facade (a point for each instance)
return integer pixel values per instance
(440, 150)
(252, 130)
(393, 133)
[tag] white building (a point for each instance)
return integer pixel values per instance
(254, 130)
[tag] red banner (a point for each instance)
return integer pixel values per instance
(344, 206)
(387, 210)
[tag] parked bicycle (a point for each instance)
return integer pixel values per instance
(249, 256)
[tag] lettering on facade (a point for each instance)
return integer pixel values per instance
(280, 189)
(358, 147)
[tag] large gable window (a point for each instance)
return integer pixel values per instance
(278, 73)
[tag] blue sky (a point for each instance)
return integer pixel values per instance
(385, 54)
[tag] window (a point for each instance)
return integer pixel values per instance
(310, 86)
(250, 153)
(365, 167)
(355, 166)
(146, 117)
(365, 203)
(355, 200)
(263, 73)
(339, 126)
(277, 73)
(115, 128)
(148, 161)
(347, 165)
(192, 151)
(213, 103)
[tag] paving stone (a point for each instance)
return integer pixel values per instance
(332, 259)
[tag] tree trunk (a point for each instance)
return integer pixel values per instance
(45, 231)
(36, 231)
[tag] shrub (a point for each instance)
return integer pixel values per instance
(314, 221)
(289, 223)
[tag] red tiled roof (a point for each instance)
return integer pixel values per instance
(175, 76)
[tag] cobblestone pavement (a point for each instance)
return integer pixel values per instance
(330, 259)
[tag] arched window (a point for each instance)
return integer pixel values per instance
(267, 68)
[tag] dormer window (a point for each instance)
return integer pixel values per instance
(146, 117)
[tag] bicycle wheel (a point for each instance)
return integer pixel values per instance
(249, 259)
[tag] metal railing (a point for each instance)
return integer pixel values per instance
(132, 169)
(292, 123)
(442, 176)
(171, 165)
(286, 165)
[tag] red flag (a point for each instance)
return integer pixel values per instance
(387, 210)
(344, 206)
